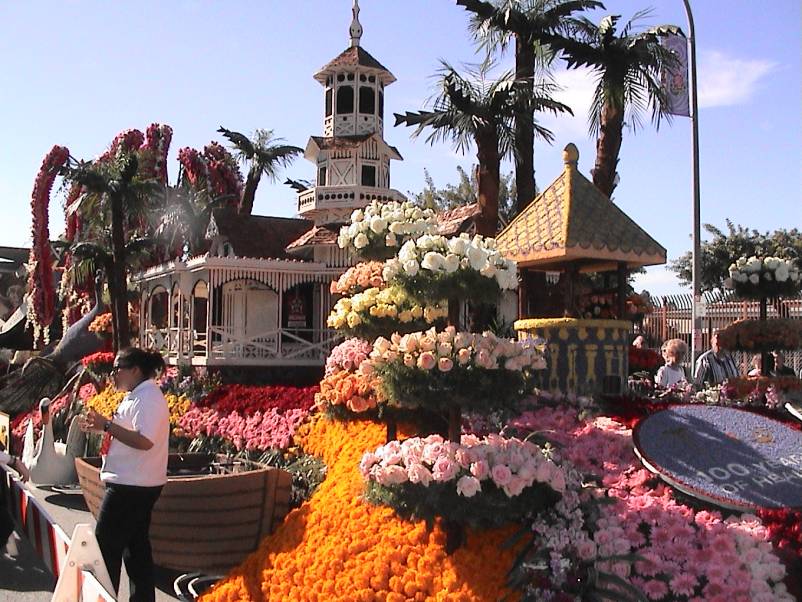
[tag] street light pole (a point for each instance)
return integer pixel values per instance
(696, 340)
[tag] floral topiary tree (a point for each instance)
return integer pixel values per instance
(419, 367)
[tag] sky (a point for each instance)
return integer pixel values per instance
(76, 72)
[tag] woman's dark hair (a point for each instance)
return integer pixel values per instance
(149, 362)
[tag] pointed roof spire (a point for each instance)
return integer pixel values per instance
(356, 27)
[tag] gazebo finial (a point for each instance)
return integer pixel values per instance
(356, 26)
(570, 154)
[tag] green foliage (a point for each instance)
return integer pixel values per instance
(472, 389)
(373, 327)
(726, 247)
(308, 472)
(433, 287)
(489, 508)
(464, 192)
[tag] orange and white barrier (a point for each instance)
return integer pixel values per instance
(79, 569)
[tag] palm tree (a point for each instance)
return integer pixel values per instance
(264, 155)
(628, 67)
(114, 201)
(530, 24)
(478, 110)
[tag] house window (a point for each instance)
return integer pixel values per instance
(369, 175)
(345, 99)
(367, 100)
(321, 176)
(328, 102)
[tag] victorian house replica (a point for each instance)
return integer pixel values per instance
(260, 296)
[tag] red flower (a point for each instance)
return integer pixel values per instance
(247, 400)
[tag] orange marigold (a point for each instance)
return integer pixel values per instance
(337, 547)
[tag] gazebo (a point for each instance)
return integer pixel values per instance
(572, 228)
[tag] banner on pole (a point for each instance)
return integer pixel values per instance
(675, 80)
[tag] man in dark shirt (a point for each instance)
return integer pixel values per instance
(715, 365)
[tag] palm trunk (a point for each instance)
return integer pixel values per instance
(118, 290)
(488, 173)
(524, 127)
(607, 148)
(249, 193)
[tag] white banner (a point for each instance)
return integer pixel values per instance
(675, 81)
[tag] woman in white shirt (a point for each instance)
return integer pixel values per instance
(134, 469)
(672, 372)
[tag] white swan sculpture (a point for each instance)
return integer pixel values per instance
(51, 462)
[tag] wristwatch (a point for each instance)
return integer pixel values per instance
(107, 426)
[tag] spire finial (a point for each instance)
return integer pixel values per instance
(356, 26)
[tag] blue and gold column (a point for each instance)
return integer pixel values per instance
(583, 356)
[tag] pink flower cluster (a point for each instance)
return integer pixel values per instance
(448, 348)
(358, 278)
(695, 555)
(347, 356)
(511, 465)
(270, 429)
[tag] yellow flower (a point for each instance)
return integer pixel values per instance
(106, 401)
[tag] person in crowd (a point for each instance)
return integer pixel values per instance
(715, 365)
(754, 368)
(672, 372)
(134, 469)
(6, 522)
(780, 368)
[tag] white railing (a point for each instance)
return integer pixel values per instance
(350, 195)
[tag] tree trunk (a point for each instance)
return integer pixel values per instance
(249, 192)
(118, 289)
(607, 148)
(524, 127)
(487, 179)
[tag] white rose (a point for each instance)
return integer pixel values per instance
(457, 246)
(754, 278)
(378, 224)
(425, 242)
(411, 267)
(390, 240)
(408, 251)
(397, 227)
(432, 261)
(754, 265)
(391, 269)
(489, 271)
(782, 273)
(451, 263)
(357, 216)
(360, 241)
(477, 257)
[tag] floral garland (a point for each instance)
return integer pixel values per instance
(758, 277)
(154, 151)
(485, 482)
(434, 267)
(378, 311)
(42, 300)
(761, 335)
(441, 370)
(381, 228)
(195, 169)
(358, 278)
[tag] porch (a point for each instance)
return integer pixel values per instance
(228, 311)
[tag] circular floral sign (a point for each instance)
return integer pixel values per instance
(727, 456)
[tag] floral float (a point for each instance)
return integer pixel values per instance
(759, 277)
(761, 335)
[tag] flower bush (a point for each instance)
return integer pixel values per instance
(358, 278)
(378, 311)
(757, 277)
(100, 363)
(250, 399)
(347, 356)
(352, 391)
(448, 368)
(377, 231)
(761, 335)
(337, 548)
(178, 406)
(489, 481)
(435, 267)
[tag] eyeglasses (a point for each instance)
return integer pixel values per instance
(116, 369)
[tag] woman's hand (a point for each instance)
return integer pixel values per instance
(92, 422)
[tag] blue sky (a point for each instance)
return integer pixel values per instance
(77, 72)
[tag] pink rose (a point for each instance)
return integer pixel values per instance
(468, 486)
(501, 475)
(586, 550)
(480, 470)
(444, 364)
(463, 356)
(426, 360)
(427, 343)
(463, 457)
(432, 452)
(418, 473)
(514, 487)
(445, 469)
(557, 481)
(392, 475)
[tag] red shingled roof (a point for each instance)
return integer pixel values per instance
(257, 236)
(451, 222)
(318, 235)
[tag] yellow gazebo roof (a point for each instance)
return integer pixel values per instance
(572, 221)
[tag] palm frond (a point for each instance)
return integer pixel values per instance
(239, 141)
